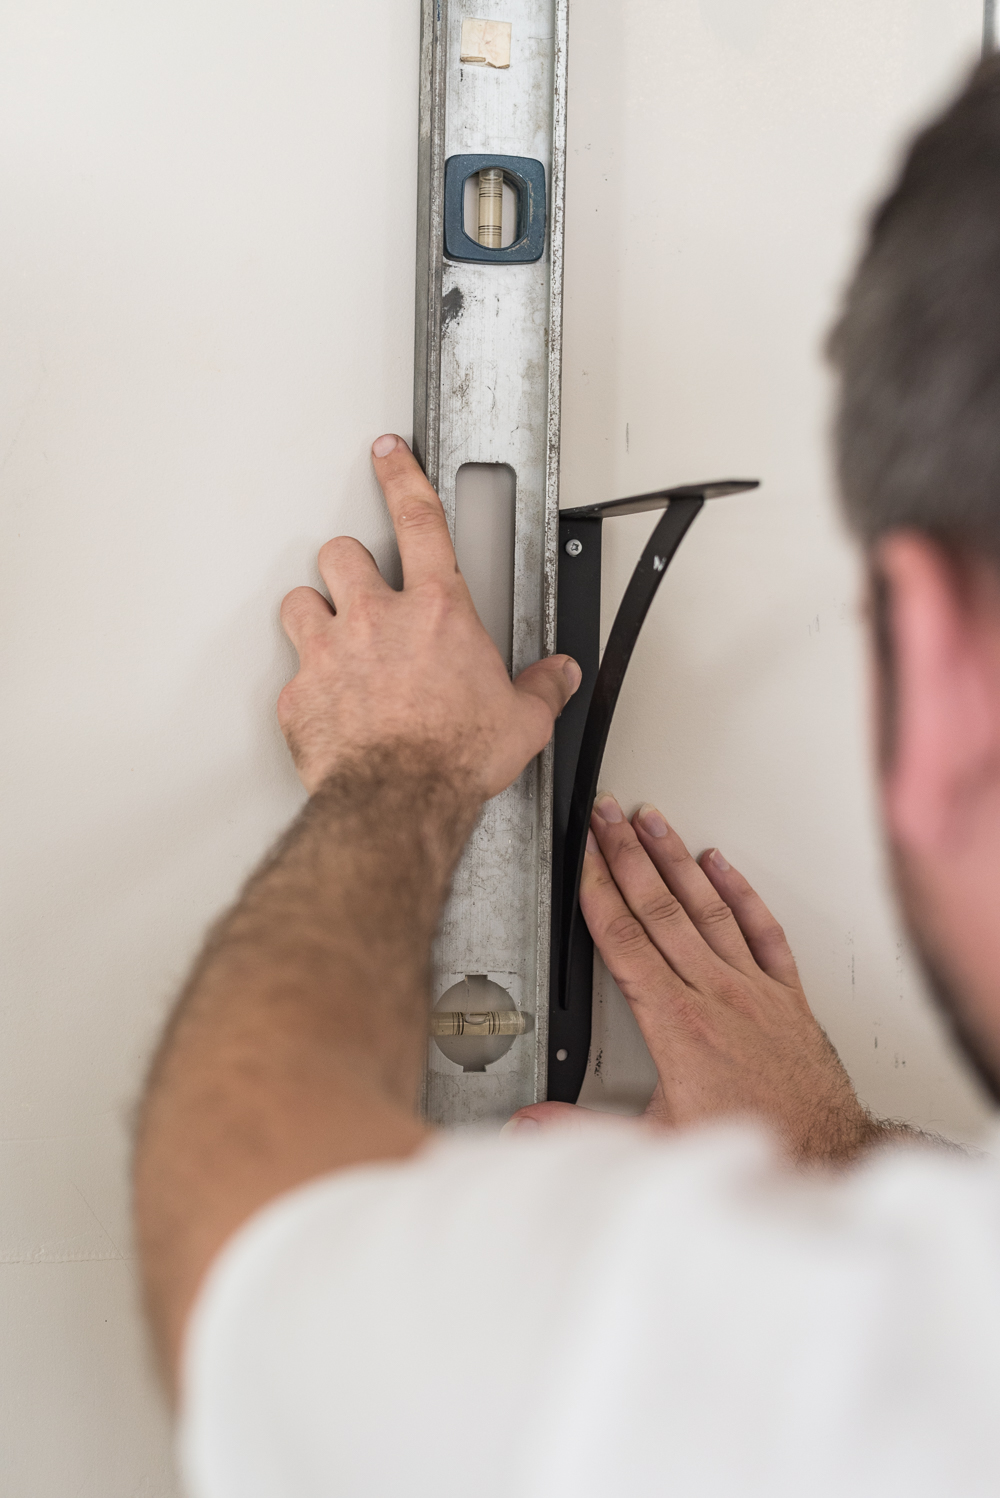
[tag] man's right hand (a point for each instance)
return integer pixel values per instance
(711, 980)
(410, 668)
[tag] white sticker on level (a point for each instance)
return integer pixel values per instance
(486, 42)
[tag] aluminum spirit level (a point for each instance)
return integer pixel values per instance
(513, 964)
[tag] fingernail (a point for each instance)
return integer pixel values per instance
(383, 446)
(591, 842)
(572, 673)
(652, 821)
(515, 1125)
(607, 808)
(718, 860)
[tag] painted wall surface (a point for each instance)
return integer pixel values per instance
(722, 159)
(206, 273)
(206, 288)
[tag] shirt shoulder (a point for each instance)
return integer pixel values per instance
(588, 1307)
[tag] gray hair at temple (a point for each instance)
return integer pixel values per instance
(918, 344)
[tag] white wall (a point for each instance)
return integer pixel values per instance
(722, 156)
(206, 274)
(206, 285)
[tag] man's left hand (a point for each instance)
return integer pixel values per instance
(711, 980)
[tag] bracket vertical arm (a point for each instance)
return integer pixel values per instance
(582, 734)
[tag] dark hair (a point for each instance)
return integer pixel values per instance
(918, 343)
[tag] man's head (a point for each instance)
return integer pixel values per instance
(918, 449)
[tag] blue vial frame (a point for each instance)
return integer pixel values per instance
(528, 176)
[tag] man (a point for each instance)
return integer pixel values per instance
(349, 1304)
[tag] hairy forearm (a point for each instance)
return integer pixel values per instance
(892, 1131)
(298, 1043)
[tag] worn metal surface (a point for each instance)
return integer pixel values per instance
(487, 391)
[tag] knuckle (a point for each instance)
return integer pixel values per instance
(417, 514)
(602, 880)
(661, 909)
(715, 913)
(774, 933)
(293, 603)
(689, 1015)
(365, 609)
(674, 852)
(740, 998)
(438, 591)
(674, 1005)
(626, 934)
(337, 546)
(624, 848)
(628, 844)
(595, 882)
(287, 698)
(438, 597)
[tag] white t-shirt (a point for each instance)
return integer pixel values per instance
(605, 1312)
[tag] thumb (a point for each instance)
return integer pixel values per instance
(542, 1115)
(553, 681)
(562, 1115)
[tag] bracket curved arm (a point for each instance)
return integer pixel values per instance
(582, 734)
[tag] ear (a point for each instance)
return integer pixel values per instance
(943, 637)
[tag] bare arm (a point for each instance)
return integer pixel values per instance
(297, 1045)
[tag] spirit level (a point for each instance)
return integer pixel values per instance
(513, 964)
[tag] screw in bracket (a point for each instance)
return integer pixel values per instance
(573, 547)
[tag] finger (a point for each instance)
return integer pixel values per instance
(348, 568)
(544, 1115)
(662, 915)
(542, 692)
(425, 547)
(546, 687)
(305, 615)
(647, 981)
(565, 1115)
(708, 911)
(765, 938)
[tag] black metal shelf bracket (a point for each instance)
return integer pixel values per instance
(582, 733)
